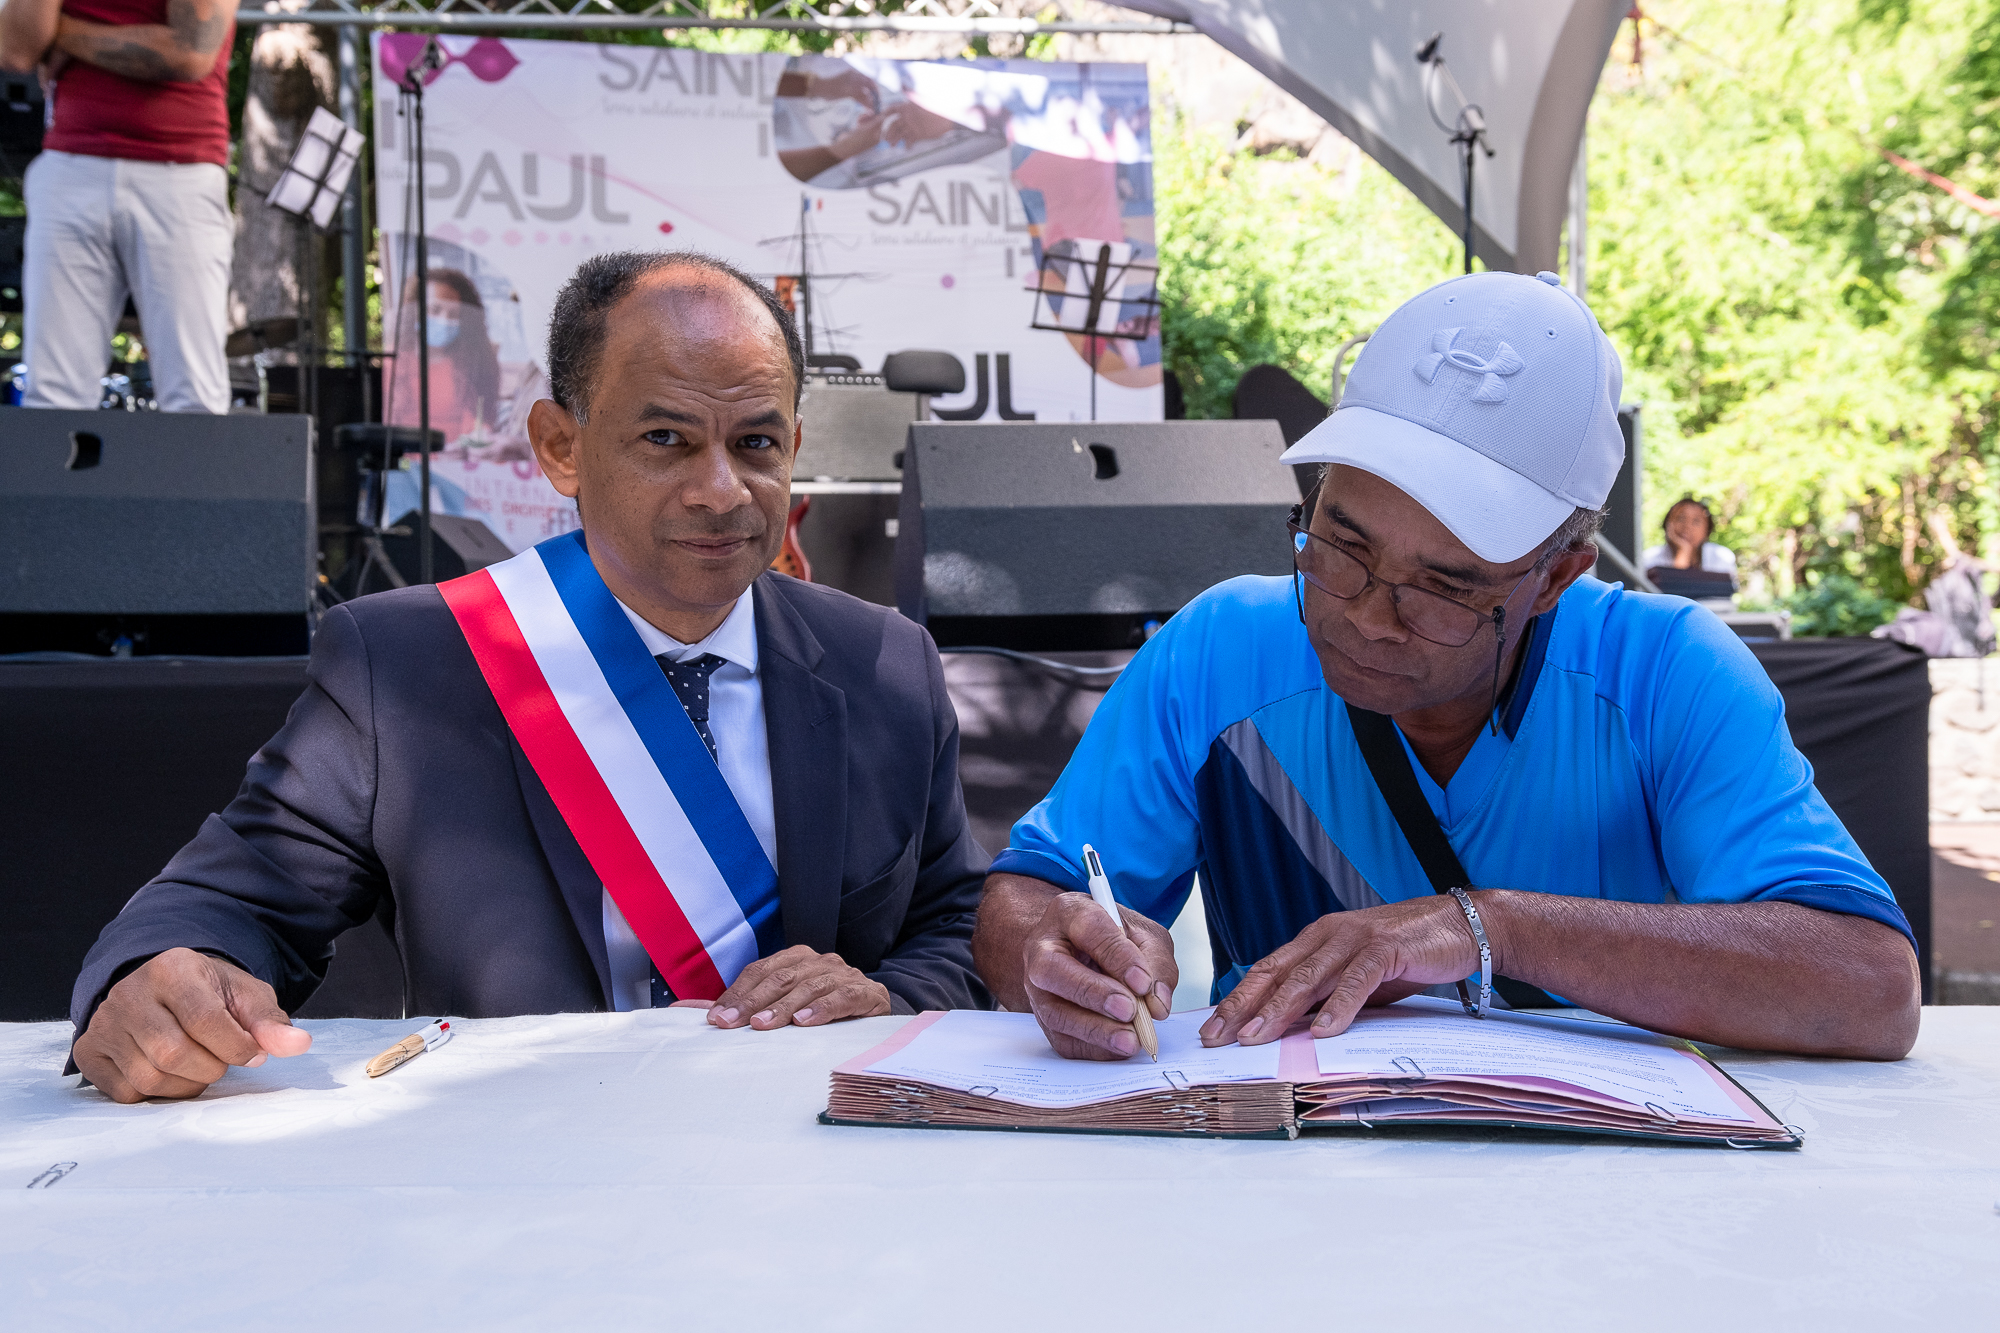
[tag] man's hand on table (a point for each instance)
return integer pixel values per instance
(177, 1024)
(1343, 961)
(797, 987)
(1057, 954)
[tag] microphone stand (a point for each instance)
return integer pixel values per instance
(1470, 138)
(1468, 134)
(412, 87)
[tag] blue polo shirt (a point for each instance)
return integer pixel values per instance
(1643, 757)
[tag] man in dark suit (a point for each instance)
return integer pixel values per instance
(400, 787)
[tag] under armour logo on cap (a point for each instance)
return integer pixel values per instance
(1493, 388)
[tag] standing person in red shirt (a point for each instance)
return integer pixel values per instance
(130, 195)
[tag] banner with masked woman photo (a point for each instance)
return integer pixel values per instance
(903, 204)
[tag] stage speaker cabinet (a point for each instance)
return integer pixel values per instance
(156, 533)
(459, 546)
(1049, 537)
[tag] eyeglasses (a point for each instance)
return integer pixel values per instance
(1426, 614)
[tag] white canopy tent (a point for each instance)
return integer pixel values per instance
(1531, 65)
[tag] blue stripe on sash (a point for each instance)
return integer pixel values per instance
(641, 688)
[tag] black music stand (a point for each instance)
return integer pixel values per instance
(1106, 292)
(311, 188)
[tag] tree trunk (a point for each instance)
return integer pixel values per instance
(291, 73)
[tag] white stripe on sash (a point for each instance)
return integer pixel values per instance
(621, 757)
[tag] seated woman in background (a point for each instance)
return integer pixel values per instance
(1688, 527)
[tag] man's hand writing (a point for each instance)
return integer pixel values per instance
(801, 988)
(1343, 961)
(176, 1025)
(1082, 975)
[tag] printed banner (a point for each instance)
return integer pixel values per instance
(893, 204)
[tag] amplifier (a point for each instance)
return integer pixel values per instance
(854, 428)
(1074, 537)
(173, 520)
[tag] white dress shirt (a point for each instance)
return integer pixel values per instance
(1715, 558)
(736, 720)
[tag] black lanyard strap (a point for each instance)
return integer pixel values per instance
(1387, 761)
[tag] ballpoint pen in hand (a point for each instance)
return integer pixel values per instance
(1100, 893)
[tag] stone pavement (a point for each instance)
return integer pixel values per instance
(1965, 911)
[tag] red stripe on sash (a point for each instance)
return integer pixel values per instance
(579, 791)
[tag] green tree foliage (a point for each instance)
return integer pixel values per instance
(1267, 259)
(1810, 324)
(1837, 604)
(1814, 330)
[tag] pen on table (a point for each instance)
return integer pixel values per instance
(409, 1048)
(1100, 892)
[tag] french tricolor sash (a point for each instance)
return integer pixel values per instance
(608, 737)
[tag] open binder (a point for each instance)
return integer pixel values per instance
(1419, 1062)
(969, 1069)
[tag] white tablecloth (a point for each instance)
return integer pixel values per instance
(641, 1170)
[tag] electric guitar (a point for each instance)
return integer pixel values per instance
(791, 556)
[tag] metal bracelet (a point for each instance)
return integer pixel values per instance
(1485, 955)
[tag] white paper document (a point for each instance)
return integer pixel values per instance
(1428, 1038)
(1006, 1057)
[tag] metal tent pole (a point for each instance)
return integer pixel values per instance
(353, 214)
(413, 86)
(1579, 219)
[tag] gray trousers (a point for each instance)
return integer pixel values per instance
(102, 228)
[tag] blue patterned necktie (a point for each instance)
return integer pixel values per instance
(690, 682)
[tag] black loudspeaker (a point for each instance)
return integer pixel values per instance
(13, 256)
(155, 532)
(458, 546)
(22, 116)
(1273, 393)
(1625, 526)
(1074, 537)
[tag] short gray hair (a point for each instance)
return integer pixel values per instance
(1576, 532)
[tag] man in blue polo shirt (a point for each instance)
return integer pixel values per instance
(1439, 739)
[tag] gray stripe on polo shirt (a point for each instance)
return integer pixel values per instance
(1268, 776)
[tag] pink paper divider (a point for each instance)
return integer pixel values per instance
(1297, 1062)
(902, 1037)
(1752, 1110)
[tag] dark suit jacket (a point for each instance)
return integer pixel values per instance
(395, 787)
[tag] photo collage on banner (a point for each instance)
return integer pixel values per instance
(922, 202)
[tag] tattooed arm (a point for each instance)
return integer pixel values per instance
(27, 30)
(181, 50)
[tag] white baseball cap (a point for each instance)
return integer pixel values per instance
(1492, 401)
